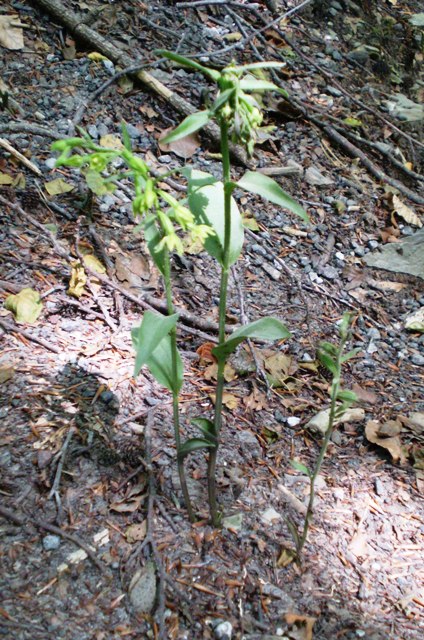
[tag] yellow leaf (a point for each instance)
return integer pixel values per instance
(228, 399)
(233, 37)
(11, 33)
(5, 178)
(78, 280)
(95, 56)
(57, 187)
(286, 557)
(405, 212)
(6, 372)
(94, 263)
(136, 532)
(26, 305)
(111, 142)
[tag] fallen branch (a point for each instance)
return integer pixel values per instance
(26, 334)
(6, 145)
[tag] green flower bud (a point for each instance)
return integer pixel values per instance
(150, 193)
(98, 161)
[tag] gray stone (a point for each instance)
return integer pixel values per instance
(330, 273)
(51, 542)
(418, 359)
(406, 256)
(223, 630)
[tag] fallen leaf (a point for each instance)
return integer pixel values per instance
(280, 367)
(205, 352)
(148, 111)
(128, 506)
(136, 532)
(26, 305)
(386, 286)
(270, 515)
(392, 444)
(11, 33)
(6, 373)
(390, 429)
(286, 557)
(303, 623)
(415, 321)
(249, 221)
(364, 395)
(78, 280)
(57, 187)
(211, 372)
(96, 57)
(111, 142)
(184, 147)
(5, 179)
(319, 423)
(233, 37)
(256, 401)
(228, 399)
(405, 212)
(94, 263)
(359, 545)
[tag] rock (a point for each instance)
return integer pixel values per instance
(51, 542)
(249, 444)
(319, 423)
(417, 359)
(330, 273)
(269, 516)
(316, 178)
(223, 630)
(415, 321)
(293, 421)
(142, 589)
(406, 256)
(359, 55)
(234, 522)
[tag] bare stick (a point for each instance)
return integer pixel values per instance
(14, 329)
(6, 145)
(54, 491)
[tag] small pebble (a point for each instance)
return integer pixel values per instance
(51, 542)
(293, 421)
(223, 630)
(418, 359)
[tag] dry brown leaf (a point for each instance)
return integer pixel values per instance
(303, 623)
(183, 148)
(205, 352)
(365, 395)
(286, 557)
(11, 33)
(110, 141)
(390, 429)
(229, 400)
(136, 532)
(359, 545)
(405, 212)
(392, 444)
(256, 401)
(386, 286)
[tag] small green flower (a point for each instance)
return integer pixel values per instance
(171, 242)
(98, 161)
(200, 232)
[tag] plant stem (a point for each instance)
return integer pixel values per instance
(335, 387)
(226, 175)
(175, 404)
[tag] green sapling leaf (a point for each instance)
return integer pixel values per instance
(187, 62)
(347, 396)
(194, 444)
(147, 337)
(328, 362)
(299, 466)
(153, 238)
(256, 84)
(350, 355)
(189, 125)
(266, 187)
(207, 427)
(160, 365)
(207, 205)
(126, 136)
(264, 329)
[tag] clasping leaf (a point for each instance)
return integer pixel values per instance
(266, 187)
(264, 329)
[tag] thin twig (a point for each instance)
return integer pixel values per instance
(54, 491)
(30, 165)
(14, 329)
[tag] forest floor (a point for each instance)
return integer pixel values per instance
(76, 428)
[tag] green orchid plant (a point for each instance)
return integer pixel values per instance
(210, 215)
(332, 357)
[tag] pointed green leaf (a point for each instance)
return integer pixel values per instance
(328, 363)
(328, 348)
(197, 179)
(257, 65)
(265, 329)
(187, 62)
(153, 237)
(207, 427)
(256, 84)
(192, 123)
(194, 444)
(222, 98)
(160, 365)
(147, 337)
(267, 188)
(207, 205)
(125, 136)
(350, 355)
(299, 466)
(347, 396)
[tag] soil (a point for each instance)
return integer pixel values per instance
(87, 453)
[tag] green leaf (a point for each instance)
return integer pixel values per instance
(299, 466)
(194, 444)
(353, 122)
(207, 205)
(347, 396)
(257, 65)
(265, 329)
(255, 84)
(125, 136)
(207, 427)
(197, 179)
(187, 62)
(350, 355)
(192, 123)
(160, 365)
(153, 237)
(26, 305)
(147, 337)
(328, 362)
(222, 98)
(267, 188)
(328, 348)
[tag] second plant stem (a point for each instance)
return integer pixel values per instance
(226, 178)
(175, 403)
(335, 387)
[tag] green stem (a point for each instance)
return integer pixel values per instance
(226, 174)
(175, 404)
(335, 387)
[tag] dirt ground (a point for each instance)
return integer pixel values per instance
(87, 454)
